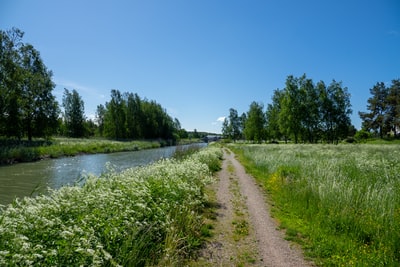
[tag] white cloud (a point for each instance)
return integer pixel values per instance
(70, 85)
(221, 119)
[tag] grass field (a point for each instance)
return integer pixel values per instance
(141, 217)
(342, 203)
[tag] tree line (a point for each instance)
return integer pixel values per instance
(302, 111)
(127, 116)
(29, 109)
(383, 117)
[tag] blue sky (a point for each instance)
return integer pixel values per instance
(200, 58)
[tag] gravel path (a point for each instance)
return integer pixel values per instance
(264, 244)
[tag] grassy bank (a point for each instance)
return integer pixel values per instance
(342, 203)
(142, 216)
(24, 151)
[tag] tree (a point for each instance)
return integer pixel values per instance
(129, 116)
(100, 119)
(235, 124)
(232, 126)
(309, 109)
(377, 119)
(335, 111)
(196, 134)
(27, 106)
(290, 116)
(74, 113)
(272, 115)
(226, 128)
(254, 128)
(114, 125)
(39, 105)
(393, 102)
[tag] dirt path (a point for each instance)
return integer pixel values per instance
(245, 233)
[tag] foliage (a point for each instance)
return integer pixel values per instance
(142, 216)
(341, 202)
(272, 115)
(254, 126)
(74, 113)
(384, 107)
(127, 116)
(232, 126)
(301, 111)
(27, 106)
(362, 135)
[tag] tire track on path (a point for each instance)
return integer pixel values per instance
(274, 250)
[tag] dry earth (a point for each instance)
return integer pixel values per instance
(245, 233)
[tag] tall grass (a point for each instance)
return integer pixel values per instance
(343, 201)
(142, 216)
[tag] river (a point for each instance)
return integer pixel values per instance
(29, 179)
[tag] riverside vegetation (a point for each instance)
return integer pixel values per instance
(342, 203)
(142, 216)
(12, 151)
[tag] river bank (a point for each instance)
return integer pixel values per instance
(13, 151)
(143, 216)
(33, 178)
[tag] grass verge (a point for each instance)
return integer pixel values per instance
(24, 151)
(342, 203)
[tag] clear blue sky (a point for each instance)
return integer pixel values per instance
(200, 58)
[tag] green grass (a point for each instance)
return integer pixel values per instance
(24, 151)
(342, 203)
(143, 216)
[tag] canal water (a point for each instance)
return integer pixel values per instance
(29, 179)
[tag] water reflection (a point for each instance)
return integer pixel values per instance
(27, 179)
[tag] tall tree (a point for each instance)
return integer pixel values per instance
(290, 116)
(336, 111)
(377, 119)
(309, 109)
(39, 104)
(235, 124)
(10, 77)
(254, 128)
(74, 113)
(272, 115)
(226, 130)
(133, 115)
(25, 83)
(393, 102)
(242, 119)
(115, 116)
(99, 119)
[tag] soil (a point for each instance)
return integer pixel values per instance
(245, 234)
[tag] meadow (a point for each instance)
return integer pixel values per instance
(340, 202)
(143, 216)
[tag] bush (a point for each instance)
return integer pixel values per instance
(362, 135)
